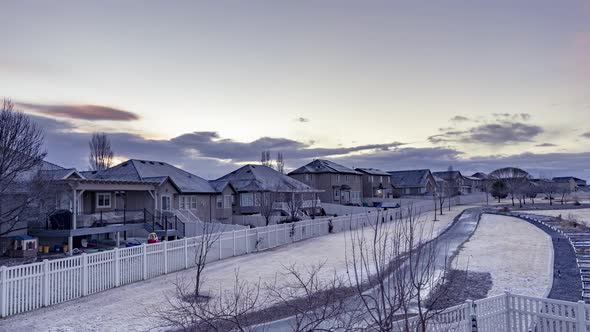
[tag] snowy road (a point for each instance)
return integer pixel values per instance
(124, 308)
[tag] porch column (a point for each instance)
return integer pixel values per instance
(75, 207)
(118, 239)
(70, 245)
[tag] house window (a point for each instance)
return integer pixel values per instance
(103, 200)
(336, 194)
(227, 201)
(370, 179)
(247, 199)
(219, 202)
(338, 178)
(166, 203)
(187, 202)
(380, 179)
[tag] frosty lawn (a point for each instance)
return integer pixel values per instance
(126, 306)
(518, 255)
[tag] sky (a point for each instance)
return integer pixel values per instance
(208, 85)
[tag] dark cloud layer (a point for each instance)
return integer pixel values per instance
(546, 145)
(82, 112)
(506, 128)
(210, 156)
(586, 135)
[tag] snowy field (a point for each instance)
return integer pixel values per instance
(581, 215)
(518, 255)
(124, 308)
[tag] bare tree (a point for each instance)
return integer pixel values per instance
(514, 180)
(21, 159)
(315, 303)
(266, 201)
(210, 235)
(548, 187)
(397, 261)
(294, 203)
(280, 163)
(101, 153)
(229, 310)
(564, 190)
(265, 158)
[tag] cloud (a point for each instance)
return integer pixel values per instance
(302, 119)
(82, 112)
(546, 145)
(506, 128)
(586, 135)
(209, 155)
(459, 118)
(512, 116)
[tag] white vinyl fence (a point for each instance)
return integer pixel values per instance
(28, 287)
(509, 313)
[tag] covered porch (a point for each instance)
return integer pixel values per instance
(93, 207)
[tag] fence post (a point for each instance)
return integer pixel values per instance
(247, 241)
(471, 317)
(84, 274)
(507, 309)
(219, 244)
(581, 316)
(165, 257)
(46, 292)
(185, 253)
(3, 287)
(234, 238)
(117, 268)
(144, 250)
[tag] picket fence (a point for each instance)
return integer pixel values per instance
(28, 287)
(508, 313)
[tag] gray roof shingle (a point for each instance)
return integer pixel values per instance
(410, 178)
(260, 178)
(324, 166)
(146, 170)
(372, 171)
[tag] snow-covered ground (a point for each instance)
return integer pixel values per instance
(124, 308)
(518, 255)
(581, 215)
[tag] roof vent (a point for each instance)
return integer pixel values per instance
(143, 162)
(161, 163)
(125, 164)
(151, 162)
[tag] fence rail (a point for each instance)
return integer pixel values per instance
(508, 313)
(28, 287)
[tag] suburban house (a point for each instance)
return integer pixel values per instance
(413, 182)
(259, 185)
(376, 183)
(573, 182)
(136, 196)
(455, 182)
(179, 190)
(474, 184)
(339, 184)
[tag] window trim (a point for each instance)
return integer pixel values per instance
(98, 206)
(162, 203)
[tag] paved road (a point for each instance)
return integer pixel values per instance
(448, 242)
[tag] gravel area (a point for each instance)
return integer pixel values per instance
(461, 286)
